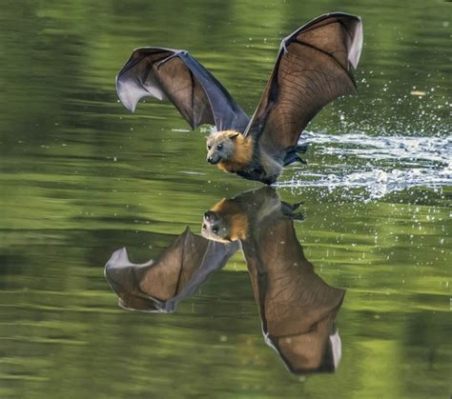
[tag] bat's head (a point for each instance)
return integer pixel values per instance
(221, 146)
(225, 222)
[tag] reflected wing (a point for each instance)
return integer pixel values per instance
(313, 67)
(178, 272)
(297, 308)
(176, 76)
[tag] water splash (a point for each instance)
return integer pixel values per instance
(378, 165)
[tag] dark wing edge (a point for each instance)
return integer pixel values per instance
(313, 67)
(158, 286)
(353, 26)
(296, 306)
(174, 75)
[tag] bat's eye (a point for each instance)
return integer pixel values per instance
(219, 147)
(209, 147)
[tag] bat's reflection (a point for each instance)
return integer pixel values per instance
(297, 308)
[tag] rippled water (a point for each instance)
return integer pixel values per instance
(379, 165)
(80, 177)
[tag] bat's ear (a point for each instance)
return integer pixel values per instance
(234, 136)
(218, 207)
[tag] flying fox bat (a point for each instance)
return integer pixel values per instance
(313, 67)
(297, 308)
(158, 286)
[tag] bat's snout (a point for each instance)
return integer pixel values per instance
(212, 227)
(213, 160)
(211, 222)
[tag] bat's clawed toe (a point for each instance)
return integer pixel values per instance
(301, 160)
(292, 155)
(293, 158)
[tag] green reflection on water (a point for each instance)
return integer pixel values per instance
(80, 178)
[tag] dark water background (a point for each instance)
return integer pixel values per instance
(80, 177)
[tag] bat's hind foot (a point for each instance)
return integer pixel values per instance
(289, 211)
(302, 148)
(292, 155)
(292, 158)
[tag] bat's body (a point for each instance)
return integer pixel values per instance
(241, 155)
(313, 67)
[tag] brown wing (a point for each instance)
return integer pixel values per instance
(313, 67)
(176, 274)
(176, 76)
(297, 308)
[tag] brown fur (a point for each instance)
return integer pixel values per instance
(242, 156)
(237, 153)
(232, 152)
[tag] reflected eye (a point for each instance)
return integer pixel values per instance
(220, 147)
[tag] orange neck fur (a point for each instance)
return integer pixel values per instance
(242, 156)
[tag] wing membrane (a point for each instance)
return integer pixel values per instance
(313, 67)
(178, 272)
(176, 76)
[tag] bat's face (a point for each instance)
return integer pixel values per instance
(225, 222)
(215, 227)
(220, 146)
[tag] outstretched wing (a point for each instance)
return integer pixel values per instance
(176, 76)
(312, 68)
(159, 285)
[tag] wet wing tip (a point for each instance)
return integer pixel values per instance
(129, 93)
(119, 258)
(356, 46)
